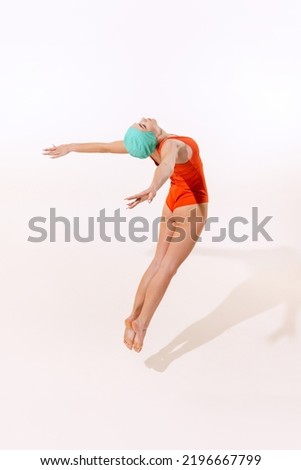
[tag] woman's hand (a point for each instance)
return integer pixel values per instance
(148, 195)
(59, 151)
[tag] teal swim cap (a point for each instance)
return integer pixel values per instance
(138, 143)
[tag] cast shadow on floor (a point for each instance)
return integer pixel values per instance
(275, 279)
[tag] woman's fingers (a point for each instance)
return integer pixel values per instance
(139, 195)
(136, 196)
(51, 151)
(133, 204)
(56, 152)
(151, 196)
(143, 196)
(148, 194)
(51, 148)
(51, 154)
(136, 202)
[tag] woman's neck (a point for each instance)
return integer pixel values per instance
(162, 135)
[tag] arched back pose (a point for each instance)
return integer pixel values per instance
(184, 212)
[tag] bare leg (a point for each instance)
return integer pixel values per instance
(129, 333)
(176, 253)
(162, 245)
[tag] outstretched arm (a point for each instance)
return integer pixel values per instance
(116, 146)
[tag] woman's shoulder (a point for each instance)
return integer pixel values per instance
(171, 137)
(186, 140)
(187, 150)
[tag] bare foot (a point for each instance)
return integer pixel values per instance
(129, 333)
(140, 330)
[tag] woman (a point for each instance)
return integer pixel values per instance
(177, 157)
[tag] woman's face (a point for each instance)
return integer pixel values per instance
(147, 124)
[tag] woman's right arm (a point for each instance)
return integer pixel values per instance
(95, 147)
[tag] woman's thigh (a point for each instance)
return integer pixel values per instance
(166, 230)
(188, 223)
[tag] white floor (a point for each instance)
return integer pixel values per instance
(220, 367)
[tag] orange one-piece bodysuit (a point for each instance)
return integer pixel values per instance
(188, 184)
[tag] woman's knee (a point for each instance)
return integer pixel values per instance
(155, 264)
(169, 267)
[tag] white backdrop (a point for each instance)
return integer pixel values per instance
(225, 73)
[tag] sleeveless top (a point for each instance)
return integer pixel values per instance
(189, 175)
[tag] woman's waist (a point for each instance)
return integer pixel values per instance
(197, 181)
(193, 188)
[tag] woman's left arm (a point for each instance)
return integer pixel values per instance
(162, 173)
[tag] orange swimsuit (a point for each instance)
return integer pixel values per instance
(188, 184)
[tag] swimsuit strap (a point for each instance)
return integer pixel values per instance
(165, 138)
